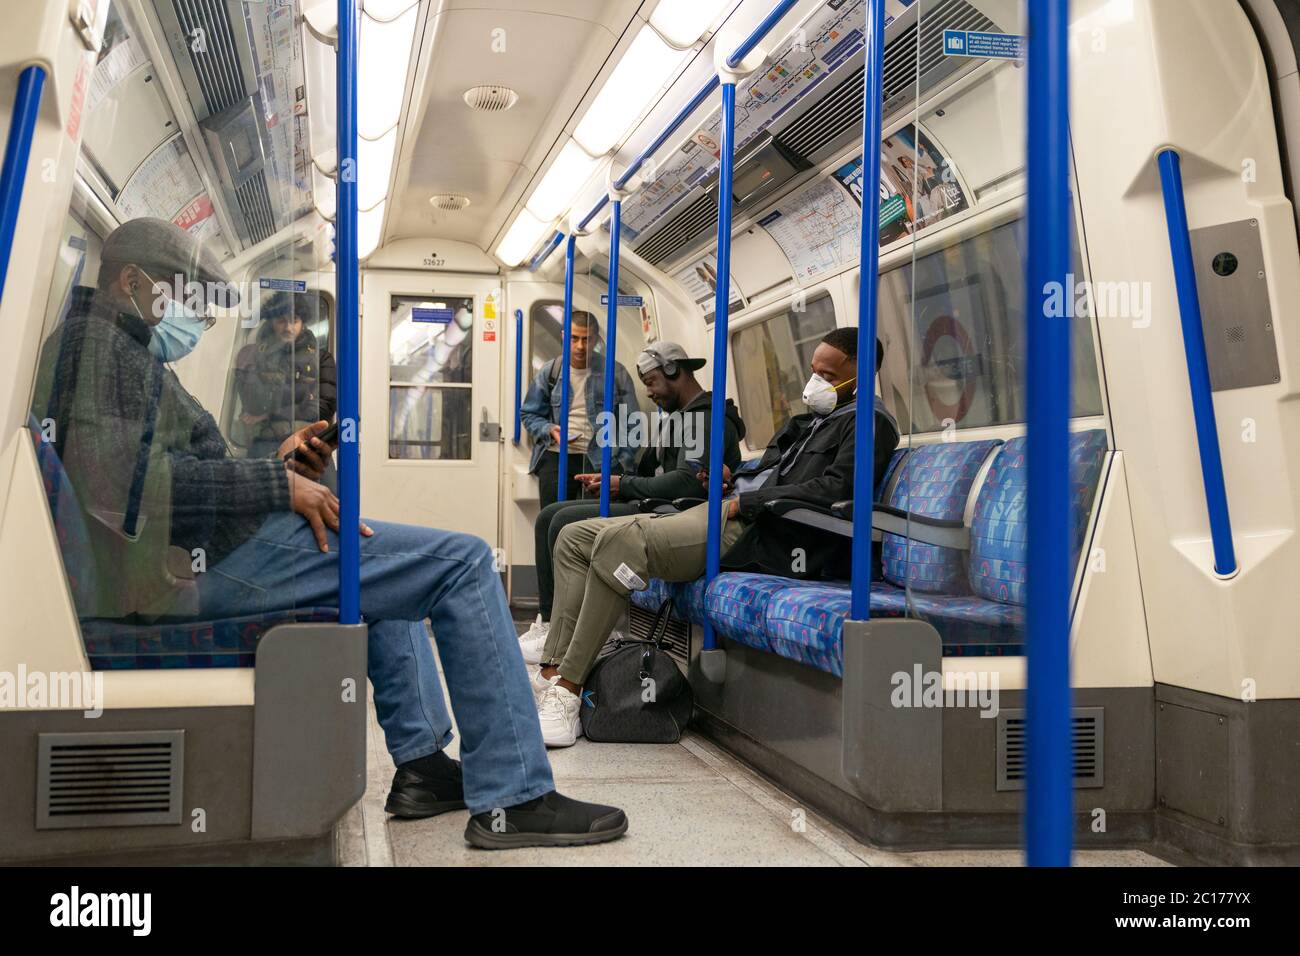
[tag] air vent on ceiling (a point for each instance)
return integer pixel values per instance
(681, 229)
(491, 99)
(825, 126)
(677, 639)
(448, 202)
(833, 121)
(128, 778)
(255, 205)
(211, 36)
(1088, 731)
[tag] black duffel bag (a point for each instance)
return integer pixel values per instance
(636, 694)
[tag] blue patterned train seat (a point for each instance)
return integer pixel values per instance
(119, 645)
(934, 482)
(980, 612)
(688, 598)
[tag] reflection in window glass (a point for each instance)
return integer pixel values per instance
(772, 361)
(430, 355)
(546, 337)
(429, 339)
(284, 374)
(430, 423)
(959, 318)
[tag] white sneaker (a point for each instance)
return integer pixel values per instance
(533, 641)
(558, 712)
(540, 684)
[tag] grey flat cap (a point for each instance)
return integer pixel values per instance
(659, 354)
(166, 251)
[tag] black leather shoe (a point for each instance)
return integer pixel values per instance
(426, 788)
(550, 820)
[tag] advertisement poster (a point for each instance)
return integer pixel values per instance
(918, 188)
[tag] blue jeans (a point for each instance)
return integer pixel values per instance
(409, 574)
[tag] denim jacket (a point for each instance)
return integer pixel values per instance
(541, 410)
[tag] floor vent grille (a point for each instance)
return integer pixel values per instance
(126, 779)
(1089, 737)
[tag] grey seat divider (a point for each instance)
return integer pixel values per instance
(892, 745)
(309, 728)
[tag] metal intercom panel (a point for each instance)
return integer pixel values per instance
(1235, 314)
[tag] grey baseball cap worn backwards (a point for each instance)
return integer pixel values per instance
(659, 354)
(167, 252)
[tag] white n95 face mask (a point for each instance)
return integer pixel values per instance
(820, 396)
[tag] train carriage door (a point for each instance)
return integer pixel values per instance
(431, 400)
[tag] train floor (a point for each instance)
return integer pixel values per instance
(688, 804)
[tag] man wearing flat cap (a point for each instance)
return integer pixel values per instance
(154, 478)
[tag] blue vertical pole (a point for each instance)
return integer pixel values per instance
(1198, 365)
(519, 374)
(611, 333)
(868, 280)
(566, 356)
(345, 291)
(1049, 796)
(22, 127)
(721, 304)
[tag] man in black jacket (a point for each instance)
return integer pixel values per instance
(599, 562)
(670, 467)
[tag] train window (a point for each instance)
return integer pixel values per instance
(430, 360)
(957, 314)
(772, 359)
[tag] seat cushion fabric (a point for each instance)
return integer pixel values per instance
(935, 482)
(1000, 526)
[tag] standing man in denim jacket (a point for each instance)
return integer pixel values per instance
(540, 413)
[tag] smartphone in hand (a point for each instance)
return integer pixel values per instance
(329, 436)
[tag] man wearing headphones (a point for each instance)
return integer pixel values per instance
(670, 467)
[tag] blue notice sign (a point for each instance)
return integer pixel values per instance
(282, 285)
(441, 316)
(633, 300)
(984, 46)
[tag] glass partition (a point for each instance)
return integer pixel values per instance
(952, 315)
(188, 343)
(772, 359)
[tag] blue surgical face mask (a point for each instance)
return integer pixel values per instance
(177, 332)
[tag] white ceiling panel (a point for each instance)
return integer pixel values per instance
(548, 52)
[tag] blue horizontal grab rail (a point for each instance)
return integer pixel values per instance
(546, 250)
(760, 31)
(701, 95)
(27, 105)
(751, 41)
(519, 374)
(1198, 366)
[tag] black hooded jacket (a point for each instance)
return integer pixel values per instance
(683, 452)
(813, 458)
